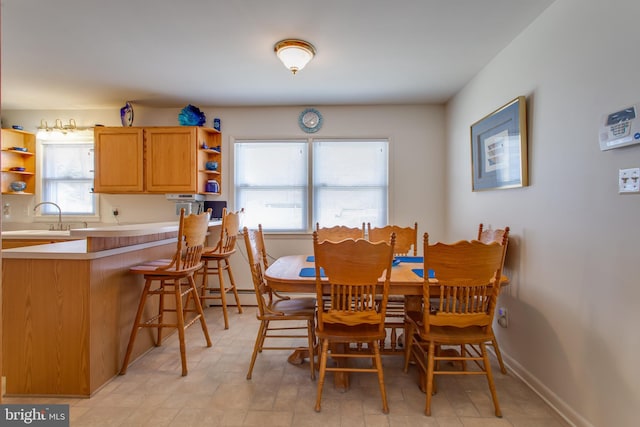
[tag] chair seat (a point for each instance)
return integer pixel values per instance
(452, 335)
(344, 333)
(155, 268)
(294, 306)
(449, 334)
(217, 255)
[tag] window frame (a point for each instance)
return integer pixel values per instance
(46, 213)
(311, 189)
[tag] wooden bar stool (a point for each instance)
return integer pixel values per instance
(174, 277)
(216, 261)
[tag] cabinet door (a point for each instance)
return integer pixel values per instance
(171, 159)
(118, 160)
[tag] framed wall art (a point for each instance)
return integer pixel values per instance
(499, 148)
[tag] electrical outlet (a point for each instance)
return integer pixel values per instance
(629, 181)
(503, 320)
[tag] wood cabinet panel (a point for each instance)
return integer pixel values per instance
(156, 159)
(171, 160)
(119, 160)
(35, 358)
(66, 322)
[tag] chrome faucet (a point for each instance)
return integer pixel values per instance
(59, 212)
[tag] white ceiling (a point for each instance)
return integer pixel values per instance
(83, 54)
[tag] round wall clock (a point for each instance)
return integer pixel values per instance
(310, 120)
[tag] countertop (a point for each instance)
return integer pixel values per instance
(77, 249)
(38, 234)
(127, 230)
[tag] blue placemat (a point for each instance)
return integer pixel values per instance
(396, 261)
(311, 272)
(410, 258)
(420, 273)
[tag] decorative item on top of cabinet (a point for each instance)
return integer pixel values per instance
(126, 114)
(18, 161)
(191, 116)
(155, 159)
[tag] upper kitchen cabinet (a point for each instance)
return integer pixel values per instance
(157, 159)
(119, 159)
(18, 161)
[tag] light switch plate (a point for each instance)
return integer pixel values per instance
(629, 181)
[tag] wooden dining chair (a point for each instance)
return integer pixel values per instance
(175, 278)
(216, 261)
(276, 309)
(339, 232)
(499, 235)
(406, 245)
(488, 235)
(468, 275)
(406, 237)
(350, 313)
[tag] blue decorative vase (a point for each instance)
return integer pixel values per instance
(191, 116)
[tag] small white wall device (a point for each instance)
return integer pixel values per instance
(620, 129)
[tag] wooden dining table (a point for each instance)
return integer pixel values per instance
(295, 274)
(284, 275)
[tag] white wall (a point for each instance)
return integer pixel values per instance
(417, 151)
(574, 260)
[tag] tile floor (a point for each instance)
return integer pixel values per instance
(216, 392)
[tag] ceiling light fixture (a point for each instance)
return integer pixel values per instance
(294, 53)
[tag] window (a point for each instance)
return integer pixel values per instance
(350, 180)
(346, 183)
(66, 173)
(271, 184)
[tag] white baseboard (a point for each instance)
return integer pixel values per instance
(552, 399)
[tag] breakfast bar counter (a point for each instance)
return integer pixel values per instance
(68, 307)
